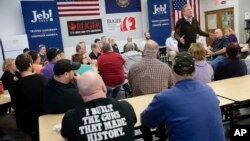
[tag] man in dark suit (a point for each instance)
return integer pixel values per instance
(187, 28)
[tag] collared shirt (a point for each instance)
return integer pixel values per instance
(219, 44)
(189, 19)
(149, 76)
(171, 43)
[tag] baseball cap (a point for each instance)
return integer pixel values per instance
(184, 64)
(65, 65)
(52, 53)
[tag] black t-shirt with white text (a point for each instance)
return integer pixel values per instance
(100, 119)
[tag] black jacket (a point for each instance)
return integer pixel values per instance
(230, 67)
(183, 27)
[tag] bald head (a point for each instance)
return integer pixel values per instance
(151, 49)
(91, 86)
(218, 33)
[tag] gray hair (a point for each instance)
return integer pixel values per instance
(106, 47)
(130, 46)
(184, 6)
(93, 45)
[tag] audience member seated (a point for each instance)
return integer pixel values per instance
(84, 68)
(114, 45)
(37, 67)
(53, 55)
(203, 71)
(26, 50)
(217, 51)
(110, 66)
(172, 48)
(9, 76)
(147, 76)
(81, 54)
(247, 60)
(10, 73)
(146, 38)
(130, 40)
(27, 96)
(103, 40)
(229, 33)
(130, 56)
(96, 51)
(98, 112)
(42, 53)
(60, 93)
(190, 109)
(7, 119)
(232, 66)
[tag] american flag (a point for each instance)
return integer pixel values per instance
(177, 5)
(68, 8)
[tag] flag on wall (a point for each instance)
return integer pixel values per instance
(69, 8)
(122, 6)
(177, 5)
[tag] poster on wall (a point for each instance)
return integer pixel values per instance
(122, 6)
(159, 20)
(42, 23)
(124, 17)
(84, 27)
(122, 24)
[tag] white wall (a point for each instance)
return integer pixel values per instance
(240, 7)
(12, 23)
(11, 18)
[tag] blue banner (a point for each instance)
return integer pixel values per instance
(42, 24)
(122, 6)
(159, 20)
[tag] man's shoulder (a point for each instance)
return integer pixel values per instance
(137, 65)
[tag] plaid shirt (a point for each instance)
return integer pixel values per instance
(149, 76)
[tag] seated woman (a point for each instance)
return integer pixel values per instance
(10, 74)
(232, 65)
(203, 70)
(229, 33)
(37, 67)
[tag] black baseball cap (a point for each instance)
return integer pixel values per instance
(184, 64)
(52, 53)
(65, 65)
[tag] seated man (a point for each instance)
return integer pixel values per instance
(190, 109)
(130, 40)
(114, 45)
(172, 47)
(110, 66)
(147, 76)
(60, 93)
(100, 118)
(27, 96)
(81, 54)
(217, 51)
(232, 65)
(96, 51)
